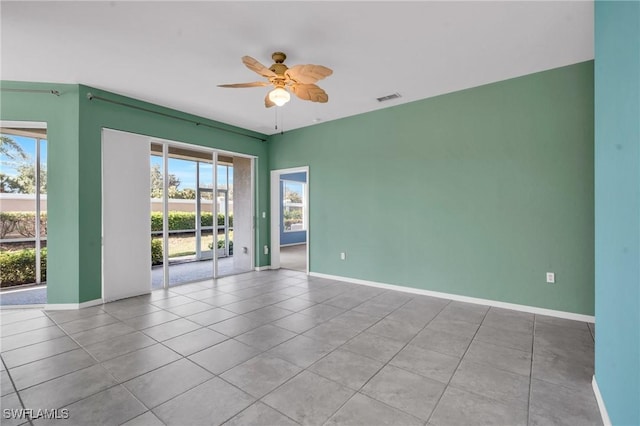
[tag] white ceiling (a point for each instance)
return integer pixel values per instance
(175, 53)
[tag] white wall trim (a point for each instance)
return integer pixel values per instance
(263, 268)
(459, 298)
(24, 124)
(274, 192)
(69, 306)
(603, 409)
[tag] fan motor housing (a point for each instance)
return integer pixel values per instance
(279, 68)
(278, 57)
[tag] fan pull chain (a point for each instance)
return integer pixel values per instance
(282, 123)
(281, 118)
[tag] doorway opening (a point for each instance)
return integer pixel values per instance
(203, 187)
(172, 213)
(290, 219)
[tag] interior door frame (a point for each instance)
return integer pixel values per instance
(276, 209)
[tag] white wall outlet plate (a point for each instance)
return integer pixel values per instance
(551, 277)
(343, 256)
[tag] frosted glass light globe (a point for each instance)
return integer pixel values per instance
(279, 96)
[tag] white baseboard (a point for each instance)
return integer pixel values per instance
(69, 306)
(135, 294)
(262, 268)
(459, 298)
(603, 409)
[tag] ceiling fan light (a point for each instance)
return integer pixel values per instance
(279, 96)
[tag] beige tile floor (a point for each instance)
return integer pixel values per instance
(280, 348)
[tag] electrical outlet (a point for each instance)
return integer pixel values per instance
(266, 249)
(551, 277)
(343, 256)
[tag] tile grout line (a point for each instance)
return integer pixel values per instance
(80, 346)
(533, 344)
(219, 376)
(63, 375)
(256, 399)
(15, 388)
(115, 379)
(121, 383)
(357, 391)
(40, 359)
(324, 356)
(384, 364)
(457, 366)
(271, 322)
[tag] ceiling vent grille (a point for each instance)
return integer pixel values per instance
(389, 97)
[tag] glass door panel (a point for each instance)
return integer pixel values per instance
(157, 222)
(190, 216)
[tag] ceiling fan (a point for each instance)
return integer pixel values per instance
(299, 79)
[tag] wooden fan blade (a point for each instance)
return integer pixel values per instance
(257, 67)
(310, 92)
(267, 102)
(239, 85)
(307, 74)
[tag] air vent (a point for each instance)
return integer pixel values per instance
(389, 97)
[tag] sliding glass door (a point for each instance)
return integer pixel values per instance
(192, 232)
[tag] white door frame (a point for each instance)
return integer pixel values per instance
(275, 213)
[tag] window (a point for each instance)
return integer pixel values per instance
(23, 201)
(293, 203)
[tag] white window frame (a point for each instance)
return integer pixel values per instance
(301, 205)
(6, 129)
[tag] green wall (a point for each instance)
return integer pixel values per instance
(61, 113)
(74, 172)
(477, 193)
